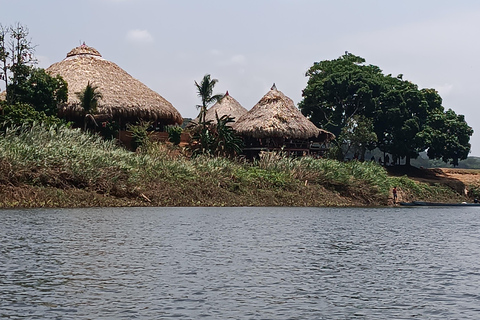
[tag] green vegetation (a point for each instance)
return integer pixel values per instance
(405, 119)
(217, 139)
(57, 166)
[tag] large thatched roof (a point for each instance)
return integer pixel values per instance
(122, 95)
(226, 106)
(275, 115)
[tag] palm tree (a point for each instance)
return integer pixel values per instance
(89, 101)
(205, 92)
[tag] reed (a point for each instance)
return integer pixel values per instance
(81, 166)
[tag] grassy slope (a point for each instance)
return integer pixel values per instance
(59, 167)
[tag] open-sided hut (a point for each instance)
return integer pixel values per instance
(274, 123)
(227, 106)
(124, 98)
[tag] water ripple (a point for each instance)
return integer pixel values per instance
(239, 263)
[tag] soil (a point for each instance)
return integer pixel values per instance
(461, 180)
(465, 182)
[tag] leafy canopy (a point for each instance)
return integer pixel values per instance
(406, 120)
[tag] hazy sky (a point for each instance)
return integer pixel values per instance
(250, 44)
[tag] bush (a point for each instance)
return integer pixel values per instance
(174, 134)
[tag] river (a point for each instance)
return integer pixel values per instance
(240, 263)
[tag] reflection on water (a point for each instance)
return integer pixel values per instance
(240, 263)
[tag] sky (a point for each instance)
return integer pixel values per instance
(250, 44)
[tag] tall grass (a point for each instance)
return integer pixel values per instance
(57, 155)
(68, 158)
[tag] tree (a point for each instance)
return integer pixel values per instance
(205, 92)
(16, 54)
(339, 89)
(448, 136)
(4, 54)
(400, 118)
(23, 82)
(40, 90)
(358, 135)
(89, 98)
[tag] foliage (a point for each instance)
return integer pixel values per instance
(218, 139)
(64, 157)
(109, 129)
(89, 98)
(225, 143)
(46, 157)
(406, 120)
(23, 82)
(139, 134)
(174, 134)
(448, 137)
(205, 92)
(24, 115)
(339, 89)
(40, 90)
(359, 135)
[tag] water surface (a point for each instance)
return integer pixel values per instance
(240, 263)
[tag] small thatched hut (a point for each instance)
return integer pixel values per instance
(124, 98)
(227, 106)
(274, 123)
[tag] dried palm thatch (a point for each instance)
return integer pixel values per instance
(226, 106)
(122, 95)
(275, 116)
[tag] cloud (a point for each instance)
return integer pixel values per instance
(234, 60)
(215, 52)
(238, 59)
(139, 36)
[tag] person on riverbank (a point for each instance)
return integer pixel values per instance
(394, 191)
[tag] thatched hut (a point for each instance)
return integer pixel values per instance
(227, 106)
(274, 123)
(124, 98)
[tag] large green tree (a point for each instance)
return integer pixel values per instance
(448, 136)
(401, 117)
(338, 90)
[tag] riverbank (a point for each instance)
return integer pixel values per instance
(60, 167)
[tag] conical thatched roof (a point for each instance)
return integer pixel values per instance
(226, 106)
(275, 115)
(122, 95)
